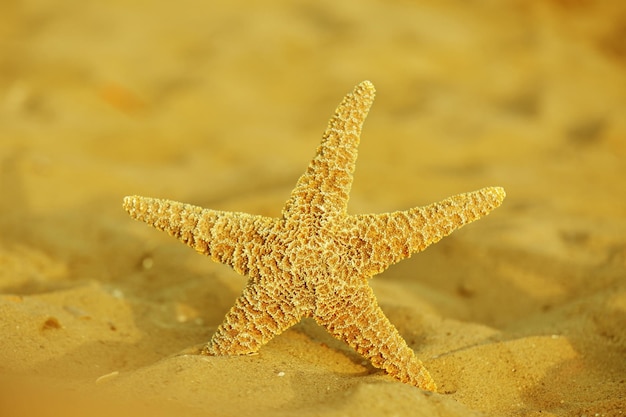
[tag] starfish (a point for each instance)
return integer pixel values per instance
(315, 260)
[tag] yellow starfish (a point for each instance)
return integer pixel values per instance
(316, 259)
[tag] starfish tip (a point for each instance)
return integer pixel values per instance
(499, 192)
(366, 85)
(130, 203)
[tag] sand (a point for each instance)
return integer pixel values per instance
(522, 313)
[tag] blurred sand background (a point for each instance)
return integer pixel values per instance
(222, 104)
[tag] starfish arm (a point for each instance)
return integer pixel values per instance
(356, 318)
(388, 238)
(229, 238)
(257, 316)
(325, 186)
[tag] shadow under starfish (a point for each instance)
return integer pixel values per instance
(315, 260)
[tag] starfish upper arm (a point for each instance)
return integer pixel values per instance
(390, 237)
(325, 186)
(228, 237)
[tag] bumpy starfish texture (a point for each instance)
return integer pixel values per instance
(316, 259)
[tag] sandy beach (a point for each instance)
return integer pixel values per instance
(522, 313)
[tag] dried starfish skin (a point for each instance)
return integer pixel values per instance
(315, 260)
